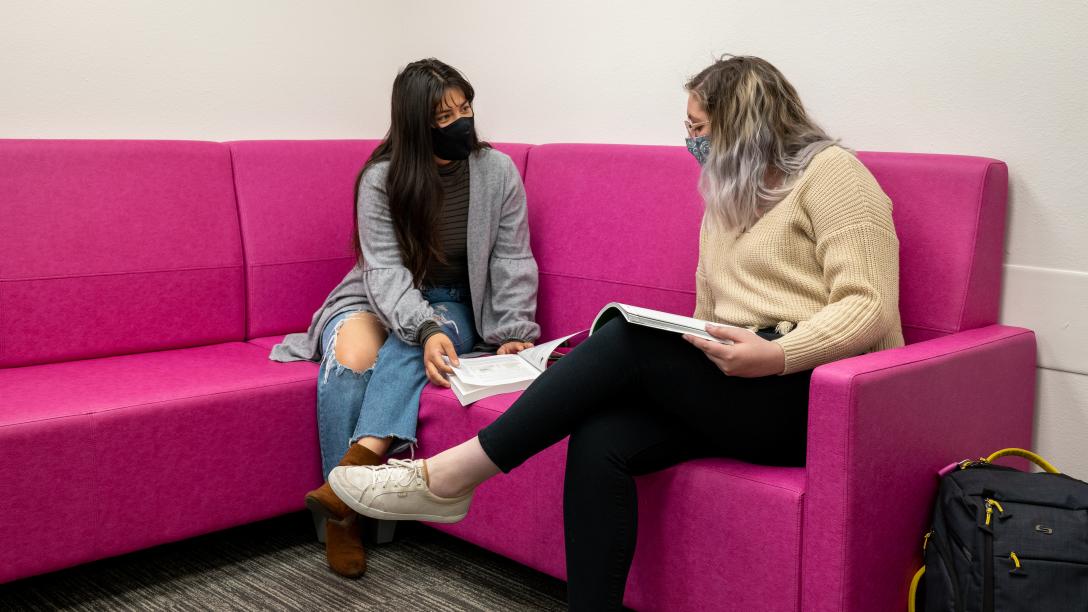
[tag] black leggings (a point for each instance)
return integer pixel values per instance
(636, 400)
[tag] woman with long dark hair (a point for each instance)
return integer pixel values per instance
(444, 265)
(797, 244)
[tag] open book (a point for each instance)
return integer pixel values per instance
(657, 320)
(479, 377)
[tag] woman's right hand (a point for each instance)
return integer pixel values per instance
(437, 347)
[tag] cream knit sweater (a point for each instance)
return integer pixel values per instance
(823, 262)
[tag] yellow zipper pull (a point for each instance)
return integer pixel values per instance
(990, 505)
(925, 540)
(1015, 559)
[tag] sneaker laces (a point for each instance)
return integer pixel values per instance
(392, 472)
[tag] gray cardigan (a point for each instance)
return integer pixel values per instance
(502, 273)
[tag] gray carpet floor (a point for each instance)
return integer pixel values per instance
(278, 565)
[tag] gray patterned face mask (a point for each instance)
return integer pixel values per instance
(699, 146)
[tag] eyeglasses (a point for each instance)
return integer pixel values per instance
(691, 127)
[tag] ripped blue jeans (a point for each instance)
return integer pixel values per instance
(383, 401)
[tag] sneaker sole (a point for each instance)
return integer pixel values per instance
(387, 516)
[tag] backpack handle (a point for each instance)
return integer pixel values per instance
(912, 594)
(1026, 454)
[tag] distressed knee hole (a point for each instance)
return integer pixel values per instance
(343, 356)
(356, 361)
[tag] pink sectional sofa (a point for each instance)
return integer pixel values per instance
(142, 283)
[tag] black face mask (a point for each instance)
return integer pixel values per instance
(454, 141)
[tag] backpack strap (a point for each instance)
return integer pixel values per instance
(1026, 454)
(913, 593)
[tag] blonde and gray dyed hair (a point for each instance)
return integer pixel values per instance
(758, 131)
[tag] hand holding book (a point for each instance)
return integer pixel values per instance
(513, 347)
(747, 355)
(438, 355)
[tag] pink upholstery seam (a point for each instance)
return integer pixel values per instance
(127, 272)
(848, 451)
(933, 329)
(241, 241)
(301, 261)
(759, 482)
(799, 593)
(96, 495)
(974, 240)
(165, 401)
(615, 282)
(938, 356)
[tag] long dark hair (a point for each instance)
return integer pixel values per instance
(412, 185)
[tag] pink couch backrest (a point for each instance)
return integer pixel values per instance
(112, 247)
(612, 223)
(620, 223)
(295, 206)
(950, 218)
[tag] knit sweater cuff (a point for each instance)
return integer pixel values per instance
(804, 350)
(426, 330)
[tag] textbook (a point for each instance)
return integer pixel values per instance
(657, 320)
(479, 377)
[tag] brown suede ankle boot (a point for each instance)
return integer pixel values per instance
(323, 502)
(344, 547)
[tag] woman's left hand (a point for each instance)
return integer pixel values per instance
(514, 347)
(748, 357)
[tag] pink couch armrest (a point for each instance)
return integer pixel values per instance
(880, 426)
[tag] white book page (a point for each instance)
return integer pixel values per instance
(494, 370)
(538, 355)
(697, 325)
(663, 320)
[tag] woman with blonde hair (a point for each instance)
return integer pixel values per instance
(797, 245)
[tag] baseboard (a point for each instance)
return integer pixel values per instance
(1053, 303)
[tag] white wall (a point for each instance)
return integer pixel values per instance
(197, 69)
(995, 78)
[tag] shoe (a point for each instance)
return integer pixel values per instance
(344, 547)
(396, 491)
(323, 502)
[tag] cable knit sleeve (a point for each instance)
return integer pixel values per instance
(858, 252)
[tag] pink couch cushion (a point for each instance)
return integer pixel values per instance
(113, 247)
(612, 223)
(698, 515)
(295, 205)
(267, 341)
(950, 217)
(136, 450)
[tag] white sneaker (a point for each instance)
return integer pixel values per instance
(395, 491)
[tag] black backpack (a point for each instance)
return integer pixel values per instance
(1005, 540)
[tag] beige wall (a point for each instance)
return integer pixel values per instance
(995, 78)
